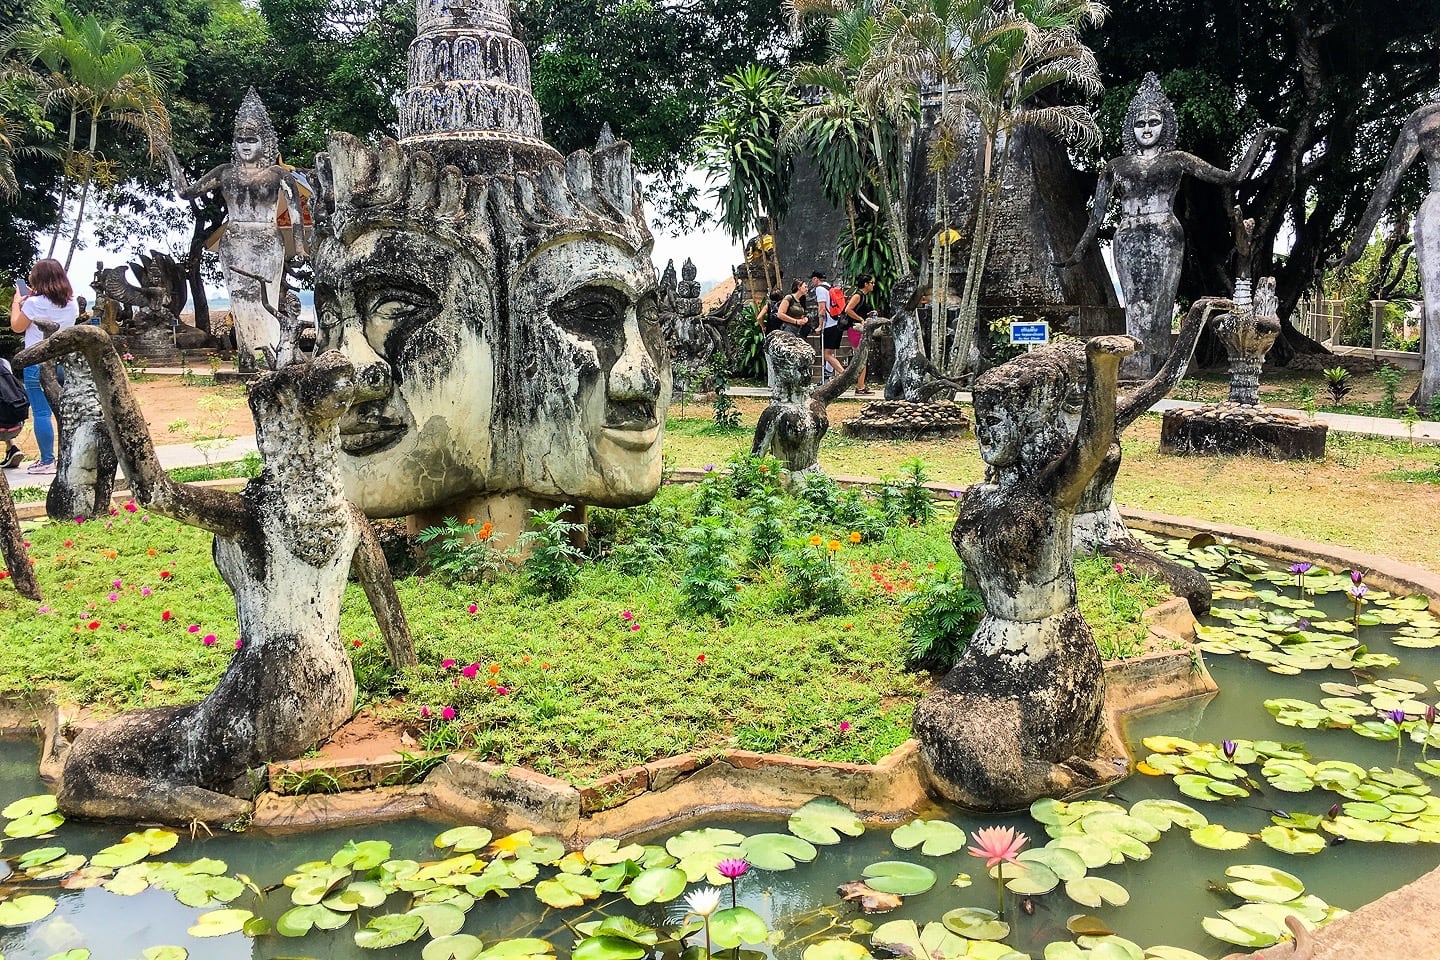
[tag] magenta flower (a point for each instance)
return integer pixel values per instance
(1430, 714)
(733, 868)
(998, 846)
(1119, 568)
(447, 663)
(1356, 576)
(470, 671)
(1301, 568)
(113, 597)
(424, 713)
(193, 628)
(130, 506)
(502, 691)
(447, 713)
(627, 616)
(209, 640)
(239, 644)
(844, 726)
(117, 584)
(634, 627)
(472, 608)
(144, 591)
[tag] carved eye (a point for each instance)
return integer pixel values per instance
(391, 312)
(595, 313)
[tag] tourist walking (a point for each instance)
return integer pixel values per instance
(48, 296)
(858, 309)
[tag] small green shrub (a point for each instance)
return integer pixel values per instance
(767, 528)
(727, 414)
(461, 552)
(750, 475)
(709, 584)
(812, 578)
(1390, 378)
(940, 618)
(916, 505)
(552, 565)
(819, 498)
(1337, 381)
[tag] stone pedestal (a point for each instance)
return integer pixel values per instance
(1232, 428)
(903, 420)
(156, 344)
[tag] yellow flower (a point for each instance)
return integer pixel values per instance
(854, 536)
(815, 540)
(833, 545)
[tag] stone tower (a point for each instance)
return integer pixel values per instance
(468, 101)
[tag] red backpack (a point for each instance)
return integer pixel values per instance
(837, 301)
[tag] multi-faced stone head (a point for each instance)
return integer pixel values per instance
(504, 329)
(1150, 119)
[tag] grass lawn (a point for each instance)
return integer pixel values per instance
(574, 687)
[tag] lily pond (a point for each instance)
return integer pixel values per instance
(1303, 788)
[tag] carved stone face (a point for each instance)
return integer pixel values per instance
(247, 145)
(411, 313)
(590, 373)
(1149, 128)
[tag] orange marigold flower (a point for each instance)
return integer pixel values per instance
(494, 668)
(470, 522)
(855, 536)
(150, 552)
(815, 540)
(544, 665)
(833, 545)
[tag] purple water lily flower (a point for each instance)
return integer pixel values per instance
(1356, 576)
(1301, 568)
(1430, 713)
(732, 869)
(1228, 747)
(1397, 716)
(1358, 591)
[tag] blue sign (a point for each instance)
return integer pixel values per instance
(1030, 334)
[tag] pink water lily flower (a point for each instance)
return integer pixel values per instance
(997, 845)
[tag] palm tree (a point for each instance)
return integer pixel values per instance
(994, 61)
(741, 148)
(99, 72)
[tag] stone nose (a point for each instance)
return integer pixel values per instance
(635, 376)
(372, 381)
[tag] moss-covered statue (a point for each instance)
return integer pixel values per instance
(1020, 714)
(285, 545)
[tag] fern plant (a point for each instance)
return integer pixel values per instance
(940, 618)
(709, 584)
(553, 562)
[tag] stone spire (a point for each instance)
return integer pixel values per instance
(469, 101)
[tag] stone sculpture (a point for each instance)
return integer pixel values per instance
(285, 546)
(145, 316)
(1420, 135)
(498, 301)
(692, 340)
(84, 459)
(1099, 527)
(1149, 241)
(791, 428)
(1242, 424)
(12, 546)
(252, 250)
(1020, 715)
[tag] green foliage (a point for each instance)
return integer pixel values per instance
(726, 413)
(1111, 599)
(461, 552)
(814, 579)
(747, 345)
(710, 582)
(940, 618)
(635, 540)
(819, 497)
(552, 565)
(750, 475)
(741, 149)
(1390, 377)
(913, 500)
(1337, 381)
(767, 528)
(711, 494)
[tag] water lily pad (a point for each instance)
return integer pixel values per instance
(1094, 852)
(525, 845)
(360, 893)
(656, 885)
(935, 838)
(464, 839)
(521, 948)
(1052, 811)
(1222, 929)
(1171, 953)
(1352, 829)
(899, 877)
(208, 891)
(608, 851)
(567, 890)
(298, 921)
(1093, 891)
(461, 946)
(121, 854)
(128, 881)
(1163, 814)
(976, 923)
(1217, 836)
(902, 938)
(1290, 840)
(389, 930)
(1032, 880)
(1263, 884)
(159, 841)
(39, 857)
(607, 947)
(362, 856)
(220, 923)
(736, 925)
(1111, 947)
(777, 851)
(823, 820)
(836, 949)
(37, 805)
(165, 952)
(25, 910)
(441, 919)
(1065, 864)
(34, 825)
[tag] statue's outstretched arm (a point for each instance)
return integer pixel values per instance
(1407, 148)
(1098, 209)
(210, 183)
(218, 511)
(1130, 407)
(1201, 170)
(1097, 417)
(837, 385)
(370, 568)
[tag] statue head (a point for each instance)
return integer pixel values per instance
(255, 141)
(504, 329)
(1150, 120)
(1026, 410)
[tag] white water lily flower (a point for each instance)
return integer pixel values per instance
(703, 902)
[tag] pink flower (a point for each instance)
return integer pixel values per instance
(470, 671)
(844, 726)
(627, 616)
(502, 690)
(113, 597)
(997, 845)
(472, 608)
(447, 713)
(209, 640)
(239, 644)
(193, 628)
(144, 591)
(424, 713)
(117, 584)
(79, 519)
(447, 663)
(732, 869)
(130, 506)
(634, 626)
(1119, 568)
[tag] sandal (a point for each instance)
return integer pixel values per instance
(864, 392)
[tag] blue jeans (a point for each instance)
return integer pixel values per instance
(40, 414)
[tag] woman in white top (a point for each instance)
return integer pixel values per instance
(50, 298)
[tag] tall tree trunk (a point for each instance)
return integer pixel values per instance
(65, 184)
(79, 217)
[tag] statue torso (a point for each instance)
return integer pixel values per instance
(1146, 186)
(251, 192)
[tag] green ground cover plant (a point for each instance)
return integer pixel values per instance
(809, 657)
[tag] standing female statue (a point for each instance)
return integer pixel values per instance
(1150, 241)
(1420, 134)
(252, 252)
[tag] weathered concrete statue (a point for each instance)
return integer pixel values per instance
(1248, 330)
(84, 459)
(791, 428)
(1150, 242)
(12, 546)
(1420, 135)
(1099, 527)
(691, 338)
(285, 545)
(252, 250)
(1020, 715)
(146, 316)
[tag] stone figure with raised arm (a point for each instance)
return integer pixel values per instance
(1420, 135)
(285, 546)
(1020, 714)
(1149, 241)
(252, 250)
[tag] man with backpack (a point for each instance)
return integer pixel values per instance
(829, 313)
(14, 411)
